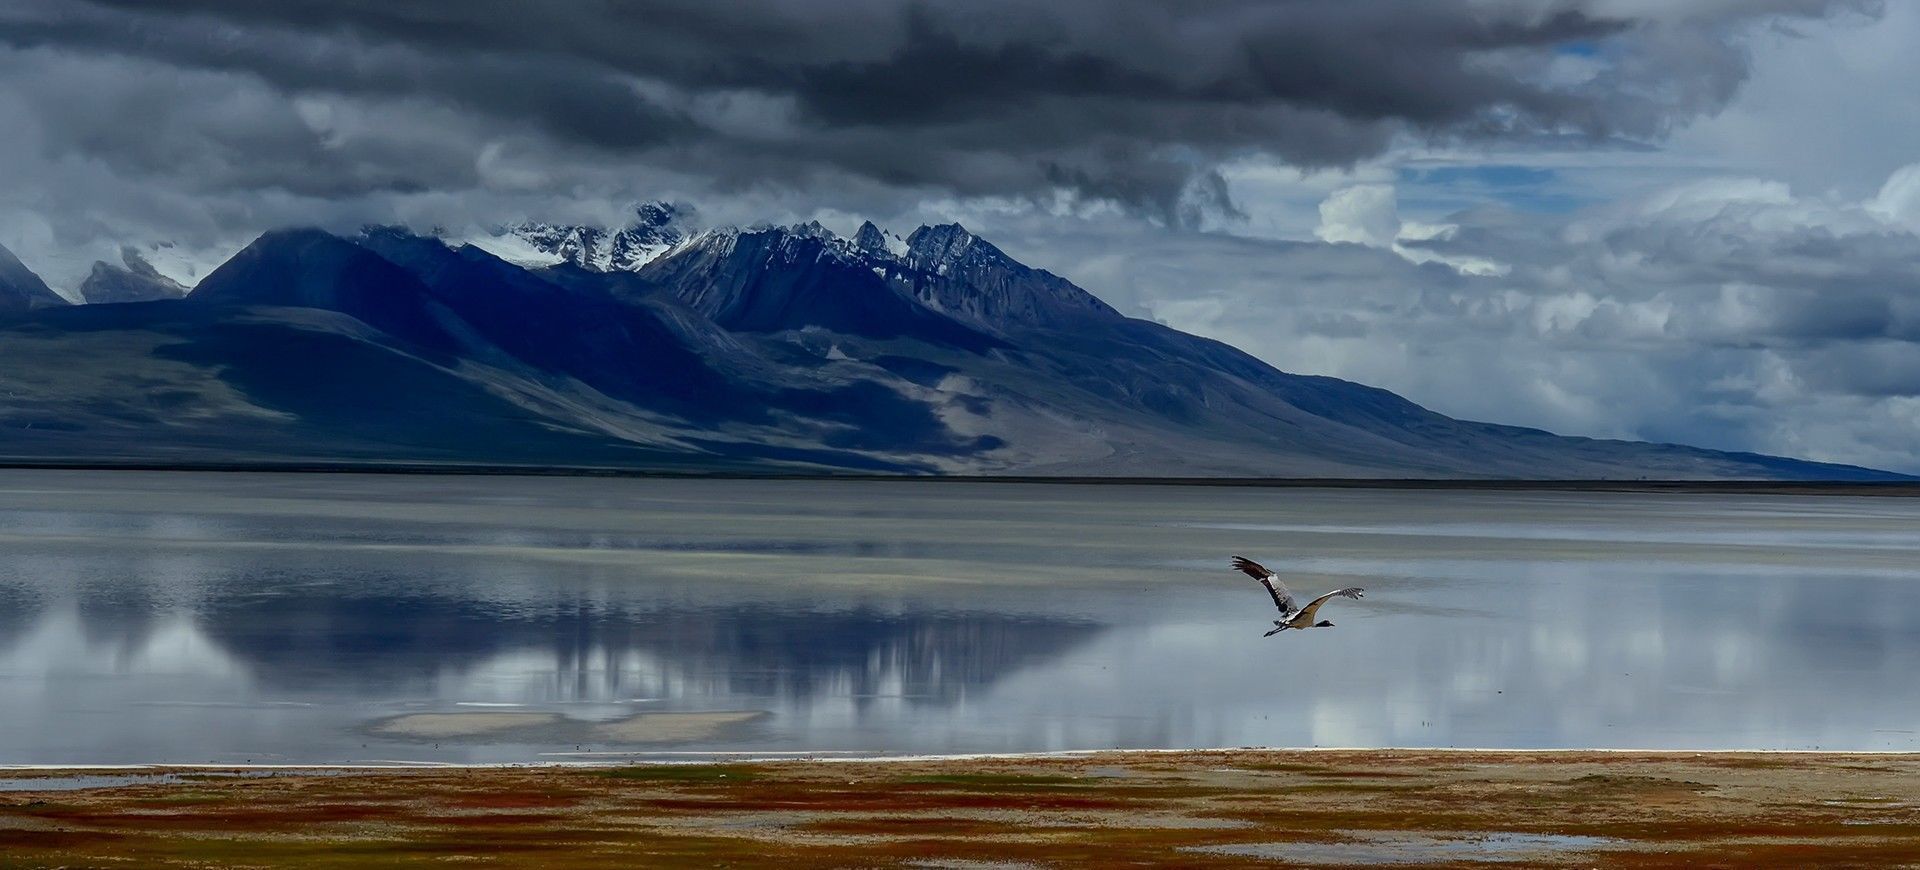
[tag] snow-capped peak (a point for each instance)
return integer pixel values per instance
(937, 248)
(878, 242)
(657, 227)
(812, 230)
(661, 228)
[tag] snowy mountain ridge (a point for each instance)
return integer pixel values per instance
(766, 349)
(656, 228)
(662, 228)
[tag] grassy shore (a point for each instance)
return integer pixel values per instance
(1238, 808)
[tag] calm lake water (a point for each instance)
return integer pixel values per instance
(336, 618)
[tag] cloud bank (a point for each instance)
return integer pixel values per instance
(397, 110)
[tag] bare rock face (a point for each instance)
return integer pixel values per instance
(134, 281)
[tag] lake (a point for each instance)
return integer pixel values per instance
(300, 618)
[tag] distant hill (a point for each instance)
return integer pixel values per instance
(20, 289)
(769, 349)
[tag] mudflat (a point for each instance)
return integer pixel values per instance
(1227, 808)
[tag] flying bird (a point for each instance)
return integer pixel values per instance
(1292, 615)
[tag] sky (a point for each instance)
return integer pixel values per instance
(1675, 220)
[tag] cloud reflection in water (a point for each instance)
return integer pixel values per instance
(952, 618)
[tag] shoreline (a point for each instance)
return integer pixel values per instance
(1907, 487)
(1238, 807)
(615, 758)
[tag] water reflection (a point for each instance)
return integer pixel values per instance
(224, 619)
(19, 607)
(326, 639)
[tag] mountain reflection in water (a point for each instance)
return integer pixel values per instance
(601, 651)
(312, 649)
(282, 618)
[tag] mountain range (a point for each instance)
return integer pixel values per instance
(656, 346)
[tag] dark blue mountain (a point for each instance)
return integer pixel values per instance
(177, 382)
(962, 275)
(631, 343)
(21, 289)
(774, 349)
(775, 280)
(313, 269)
(574, 330)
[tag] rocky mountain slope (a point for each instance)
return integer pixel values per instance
(775, 349)
(21, 289)
(135, 280)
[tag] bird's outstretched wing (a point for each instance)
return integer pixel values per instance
(1282, 596)
(1250, 568)
(1308, 612)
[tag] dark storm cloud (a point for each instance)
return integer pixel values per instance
(1135, 101)
(572, 100)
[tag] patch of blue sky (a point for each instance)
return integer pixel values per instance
(1523, 188)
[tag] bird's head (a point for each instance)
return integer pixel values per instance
(1323, 624)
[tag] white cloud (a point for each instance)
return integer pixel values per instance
(1369, 214)
(1364, 214)
(1899, 199)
